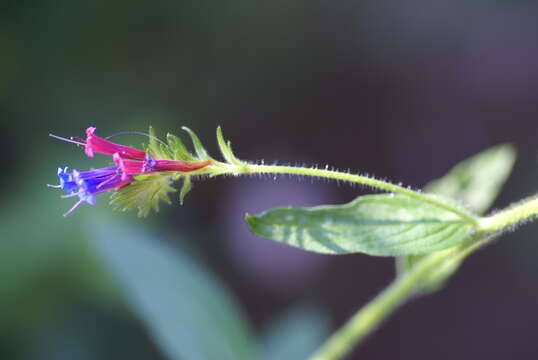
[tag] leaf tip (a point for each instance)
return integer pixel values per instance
(250, 220)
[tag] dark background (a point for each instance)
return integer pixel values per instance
(402, 90)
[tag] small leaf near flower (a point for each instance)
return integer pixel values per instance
(200, 150)
(143, 194)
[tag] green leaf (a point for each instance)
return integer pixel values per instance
(382, 225)
(200, 150)
(144, 194)
(166, 152)
(188, 313)
(187, 185)
(179, 150)
(478, 180)
(295, 334)
(226, 148)
(437, 278)
(153, 148)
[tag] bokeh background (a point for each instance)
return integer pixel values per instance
(402, 90)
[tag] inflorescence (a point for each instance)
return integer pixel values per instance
(128, 161)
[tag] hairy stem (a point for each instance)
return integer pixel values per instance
(352, 178)
(518, 213)
(370, 316)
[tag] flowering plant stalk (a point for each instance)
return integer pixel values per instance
(429, 233)
(129, 162)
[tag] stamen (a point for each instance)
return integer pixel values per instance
(106, 181)
(71, 195)
(136, 133)
(55, 186)
(67, 140)
(74, 207)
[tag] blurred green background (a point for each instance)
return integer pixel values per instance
(402, 90)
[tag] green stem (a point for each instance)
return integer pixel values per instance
(518, 213)
(352, 178)
(515, 214)
(369, 317)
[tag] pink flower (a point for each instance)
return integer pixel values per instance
(128, 162)
(149, 166)
(95, 144)
(173, 165)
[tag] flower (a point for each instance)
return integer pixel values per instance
(129, 167)
(148, 166)
(128, 162)
(66, 182)
(173, 165)
(86, 184)
(95, 144)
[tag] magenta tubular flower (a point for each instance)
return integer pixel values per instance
(129, 167)
(149, 166)
(95, 144)
(181, 166)
(87, 184)
(129, 161)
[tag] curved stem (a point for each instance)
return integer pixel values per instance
(369, 317)
(352, 178)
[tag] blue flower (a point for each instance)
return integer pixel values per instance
(87, 184)
(66, 181)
